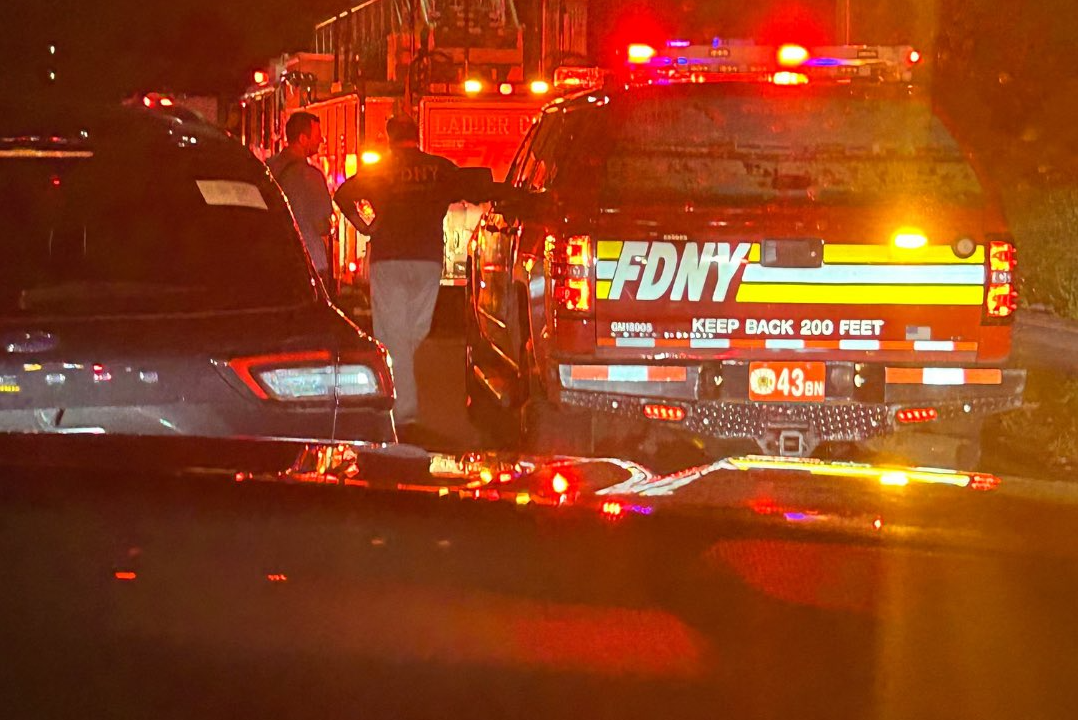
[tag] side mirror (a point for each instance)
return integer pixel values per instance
(476, 184)
(513, 201)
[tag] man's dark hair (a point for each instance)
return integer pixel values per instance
(402, 129)
(299, 124)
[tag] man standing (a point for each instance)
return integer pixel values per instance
(305, 187)
(409, 192)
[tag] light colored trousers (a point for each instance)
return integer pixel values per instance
(403, 293)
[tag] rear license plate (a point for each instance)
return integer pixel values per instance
(787, 381)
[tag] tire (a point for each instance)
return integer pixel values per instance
(545, 428)
(955, 446)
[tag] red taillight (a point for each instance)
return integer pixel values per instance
(569, 268)
(916, 415)
(669, 413)
(559, 484)
(983, 481)
(1001, 294)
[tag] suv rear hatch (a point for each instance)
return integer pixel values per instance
(762, 221)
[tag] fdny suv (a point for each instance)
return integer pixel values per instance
(784, 245)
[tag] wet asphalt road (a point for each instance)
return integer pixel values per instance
(266, 601)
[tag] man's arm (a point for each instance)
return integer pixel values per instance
(348, 197)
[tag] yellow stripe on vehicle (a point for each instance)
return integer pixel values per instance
(602, 289)
(608, 249)
(887, 254)
(883, 254)
(862, 294)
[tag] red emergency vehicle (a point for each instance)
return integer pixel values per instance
(471, 74)
(779, 245)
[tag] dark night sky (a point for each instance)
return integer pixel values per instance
(107, 48)
(115, 47)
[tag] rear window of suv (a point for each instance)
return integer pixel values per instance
(133, 227)
(760, 143)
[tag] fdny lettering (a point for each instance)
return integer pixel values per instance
(425, 174)
(664, 273)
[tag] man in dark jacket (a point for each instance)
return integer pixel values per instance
(305, 188)
(409, 192)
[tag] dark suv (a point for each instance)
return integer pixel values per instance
(783, 258)
(153, 283)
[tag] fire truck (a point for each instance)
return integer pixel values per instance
(782, 246)
(472, 74)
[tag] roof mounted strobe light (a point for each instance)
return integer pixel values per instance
(792, 55)
(639, 54)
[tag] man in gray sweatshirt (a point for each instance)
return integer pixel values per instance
(305, 188)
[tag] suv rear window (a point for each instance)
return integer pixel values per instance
(760, 143)
(144, 228)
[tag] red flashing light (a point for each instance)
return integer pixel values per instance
(352, 267)
(559, 484)
(639, 54)
(792, 55)
(983, 482)
(277, 577)
(877, 523)
(166, 102)
(261, 77)
(1001, 297)
(125, 575)
(147, 101)
(913, 57)
(1002, 257)
(570, 270)
(55, 180)
(505, 89)
(667, 413)
(916, 415)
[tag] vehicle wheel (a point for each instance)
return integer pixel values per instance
(956, 446)
(546, 428)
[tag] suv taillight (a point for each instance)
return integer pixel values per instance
(569, 264)
(313, 376)
(1001, 293)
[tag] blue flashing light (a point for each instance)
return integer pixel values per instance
(683, 61)
(825, 62)
(664, 60)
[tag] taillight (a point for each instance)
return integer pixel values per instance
(569, 264)
(1001, 294)
(312, 376)
(669, 413)
(916, 415)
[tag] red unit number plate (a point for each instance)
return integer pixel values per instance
(787, 381)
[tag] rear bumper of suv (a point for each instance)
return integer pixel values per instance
(735, 416)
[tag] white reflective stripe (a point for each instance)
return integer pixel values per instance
(943, 376)
(604, 269)
(870, 274)
(785, 344)
(858, 344)
(627, 373)
(710, 344)
(930, 345)
(635, 342)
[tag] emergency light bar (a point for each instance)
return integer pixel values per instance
(744, 60)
